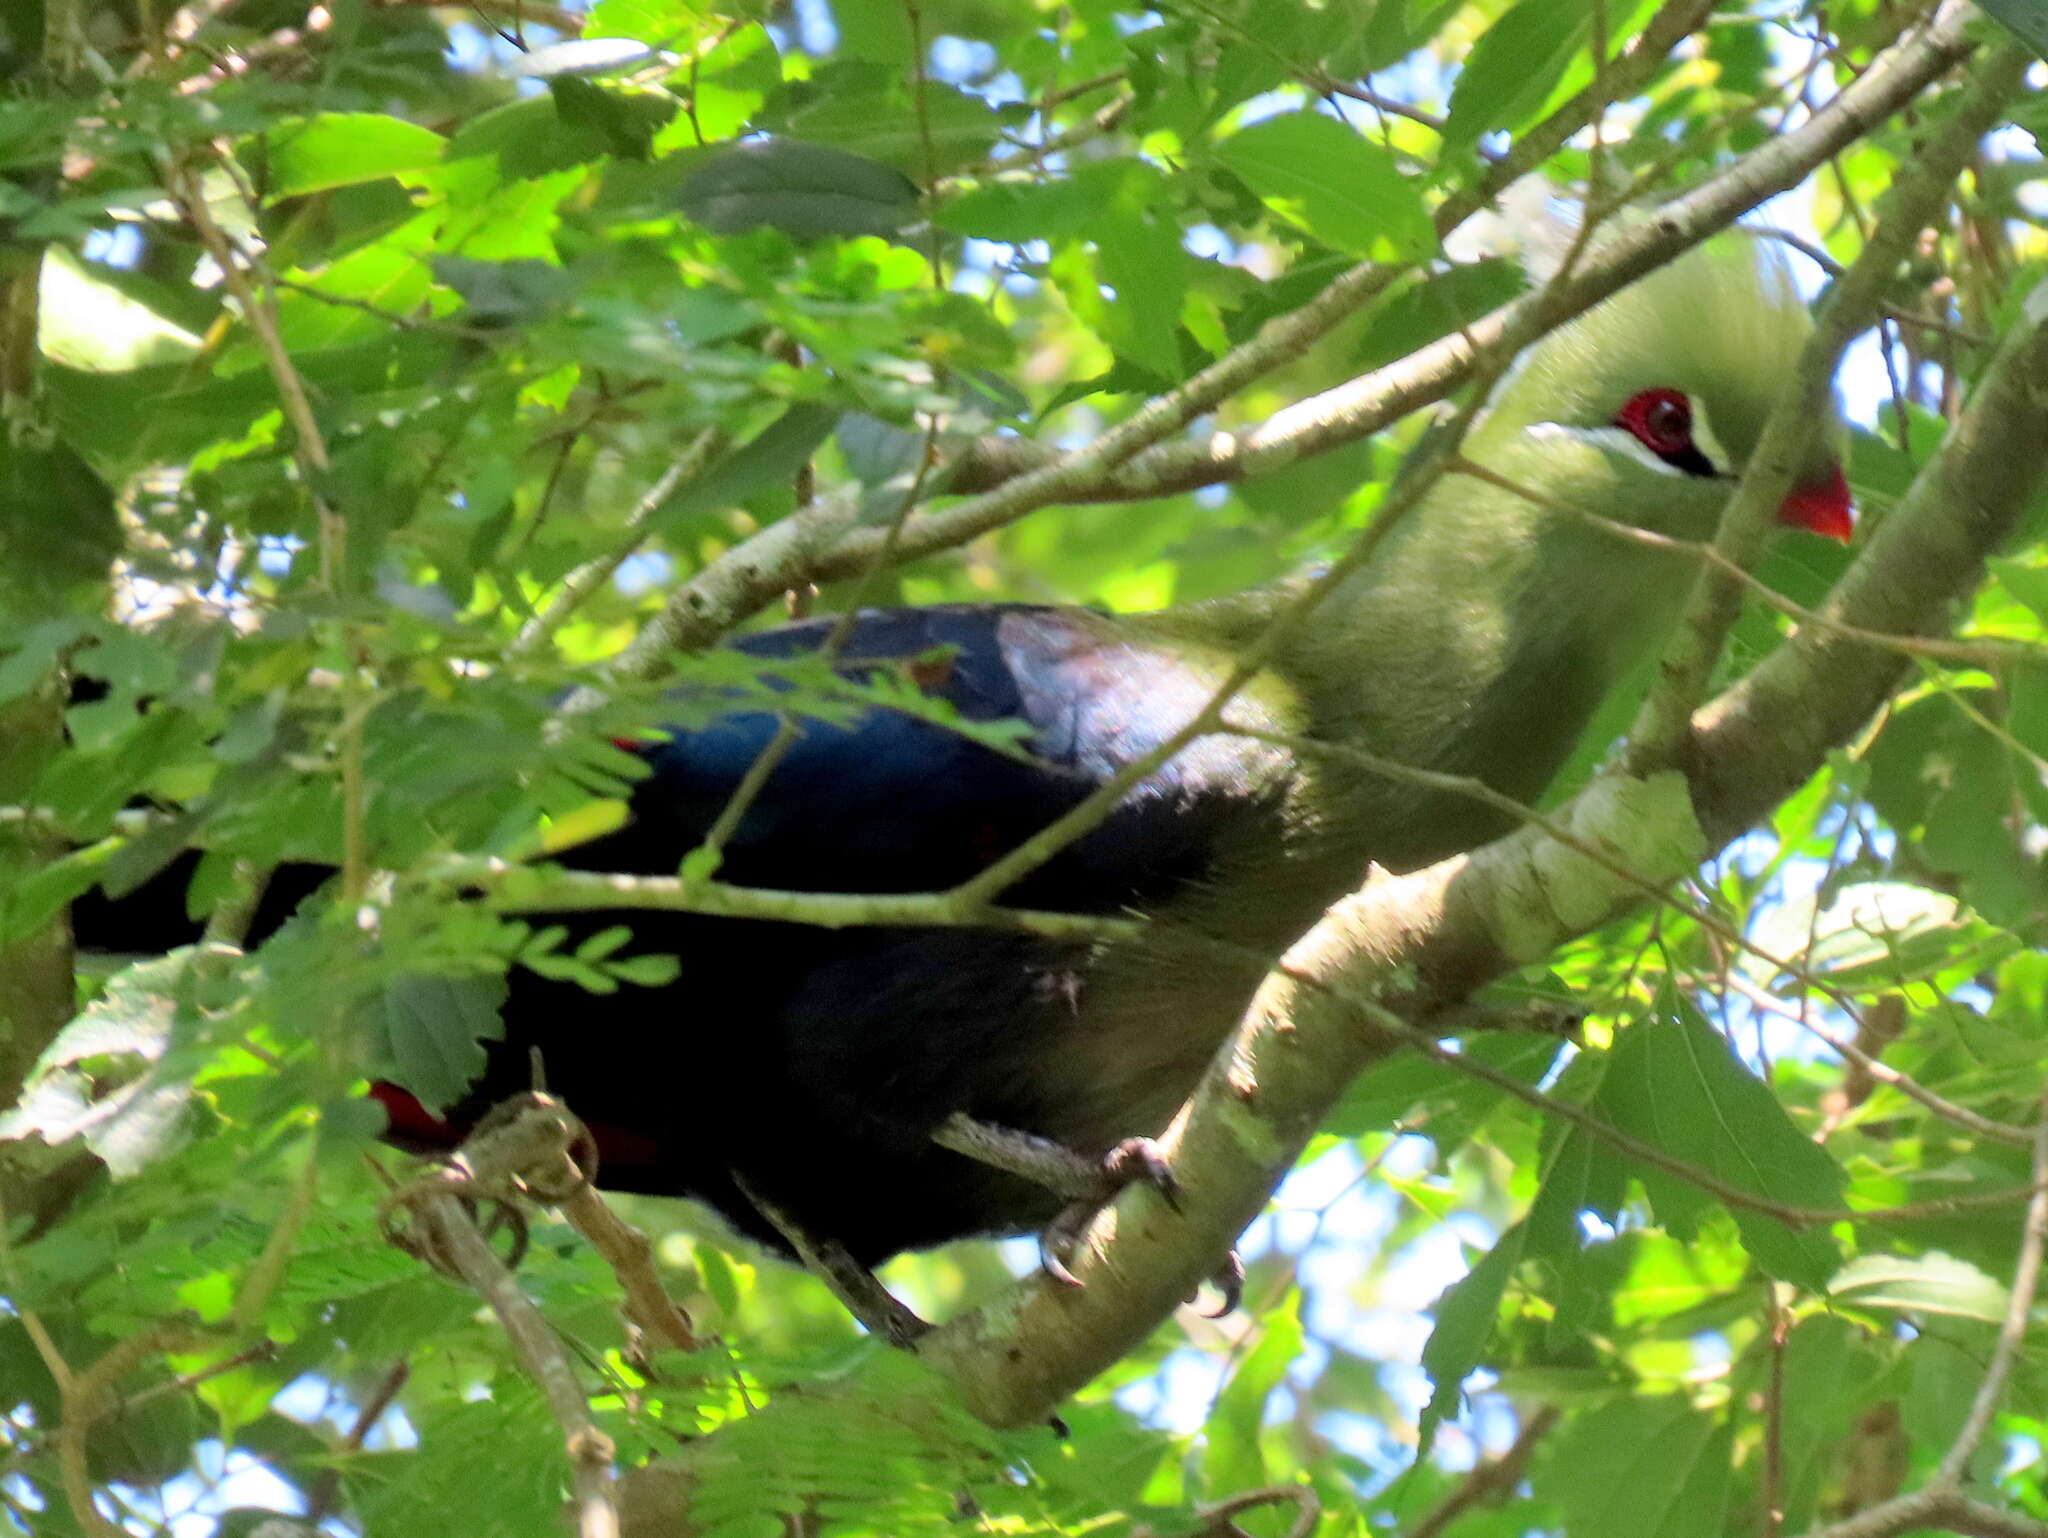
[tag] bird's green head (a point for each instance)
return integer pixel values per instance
(1670, 382)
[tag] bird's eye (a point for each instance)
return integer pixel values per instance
(1662, 422)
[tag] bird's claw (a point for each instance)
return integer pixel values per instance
(1060, 1237)
(1134, 1161)
(1228, 1281)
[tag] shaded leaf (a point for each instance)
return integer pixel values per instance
(431, 1030)
(805, 190)
(110, 1077)
(2027, 20)
(1641, 1468)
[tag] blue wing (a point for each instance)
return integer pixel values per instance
(894, 803)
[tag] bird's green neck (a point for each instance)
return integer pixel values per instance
(1480, 641)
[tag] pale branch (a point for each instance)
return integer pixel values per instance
(1414, 944)
(1134, 460)
(507, 888)
(540, 1352)
(1656, 892)
(1663, 724)
(1617, 80)
(427, 1218)
(1759, 741)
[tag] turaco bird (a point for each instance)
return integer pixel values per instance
(882, 1089)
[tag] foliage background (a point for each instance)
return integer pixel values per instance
(555, 348)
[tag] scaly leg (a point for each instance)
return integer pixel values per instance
(1088, 1184)
(852, 1283)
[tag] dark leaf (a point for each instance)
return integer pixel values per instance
(805, 190)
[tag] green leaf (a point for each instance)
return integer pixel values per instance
(337, 149)
(1341, 188)
(58, 530)
(1465, 1318)
(1642, 1468)
(875, 29)
(1674, 1083)
(2027, 20)
(1138, 254)
(1407, 1082)
(2025, 580)
(625, 120)
(805, 190)
(529, 139)
(1926, 1284)
(1233, 1459)
(1021, 211)
(431, 1030)
(1441, 303)
(867, 113)
(772, 456)
(1513, 67)
(505, 293)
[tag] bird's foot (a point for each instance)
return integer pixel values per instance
(1055, 1167)
(1134, 1161)
(1088, 1184)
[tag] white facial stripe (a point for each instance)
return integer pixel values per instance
(1614, 440)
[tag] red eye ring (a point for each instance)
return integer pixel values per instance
(1661, 420)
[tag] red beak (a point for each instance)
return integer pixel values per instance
(1822, 507)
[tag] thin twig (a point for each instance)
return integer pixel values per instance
(2012, 1331)
(592, 575)
(1791, 1214)
(627, 1251)
(1491, 1480)
(1875, 1067)
(1935, 1507)
(1218, 1520)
